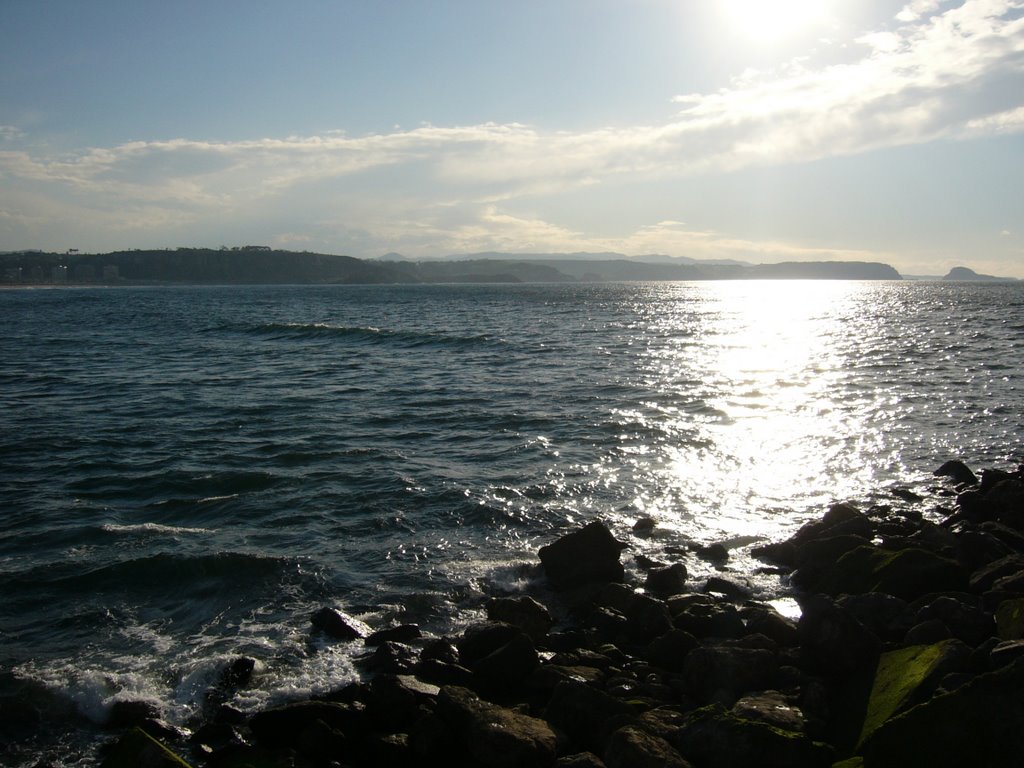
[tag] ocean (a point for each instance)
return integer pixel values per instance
(187, 473)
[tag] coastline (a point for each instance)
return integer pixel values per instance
(907, 652)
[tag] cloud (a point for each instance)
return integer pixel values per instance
(940, 72)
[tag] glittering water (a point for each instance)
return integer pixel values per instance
(186, 473)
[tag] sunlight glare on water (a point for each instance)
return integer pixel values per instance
(767, 425)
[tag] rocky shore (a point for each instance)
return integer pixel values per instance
(909, 651)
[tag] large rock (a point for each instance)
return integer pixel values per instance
(338, 625)
(979, 724)
(583, 557)
(137, 749)
(905, 573)
(670, 580)
(631, 747)
(584, 714)
(646, 618)
(958, 472)
(282, 726)
(523, 612)
(838, 648)
(495, 736)
(713, 737)
(908, 676)
(722, 674)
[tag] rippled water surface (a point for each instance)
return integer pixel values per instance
(187, 472)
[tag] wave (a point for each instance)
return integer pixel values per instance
(371, 335)
(154, 574)
(156, 528)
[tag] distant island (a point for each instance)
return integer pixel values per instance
(963, 273)
(253, 264)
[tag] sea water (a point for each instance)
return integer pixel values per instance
(187, 473)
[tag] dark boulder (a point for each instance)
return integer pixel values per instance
(905, 573)
(711, 736)
(338, 625)
(958, 472)
(138, 749)
(281, 727)
(494, 736)
(631, 747)
(646, 618)
(669, 651)
(484, 638)
(722, 674)
(670, 580)
(589, 555)
(403, 633)
(523, 612)
(584, 714)
(980, 723)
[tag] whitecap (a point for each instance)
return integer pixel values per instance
(157, 528)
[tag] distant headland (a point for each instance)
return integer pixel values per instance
(253, 264)
(963, 273)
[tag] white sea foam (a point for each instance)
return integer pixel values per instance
(155, 528)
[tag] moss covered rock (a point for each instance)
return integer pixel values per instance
(905, 676)
(137, 749)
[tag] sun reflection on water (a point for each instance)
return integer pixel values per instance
(765, 429)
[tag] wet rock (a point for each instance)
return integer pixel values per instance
(979, 724)
(722, 674)
(321, 744)
(712, 736)
(280, 727)
(646, 617)
(958, 472)
(403, 633)
(1006, 652)
(670, 580)
(984, 578)
(523, 612)
(131, 713)
(137, 749)
(713, 553)
(394, 700)
(507, 667)
(1010, 619)
(815, 558)
(906, 573)
(708, 620)
(580, 760)
(338, 625)
(631, 747)
(644, 526)
(927, 632)
(764, 620)
(440, 649)
(589, 555)
(772, 708)
(584, 713)
(839, 649)
(495, 736)
(484, 638)
(669, 651)
(909, 676)
(731, 589)
(389, 656)
(966, 620)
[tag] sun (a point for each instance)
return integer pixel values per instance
(772, 21)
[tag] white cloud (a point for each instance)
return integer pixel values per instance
(941, 72)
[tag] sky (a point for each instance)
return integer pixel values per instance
(760, 130)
